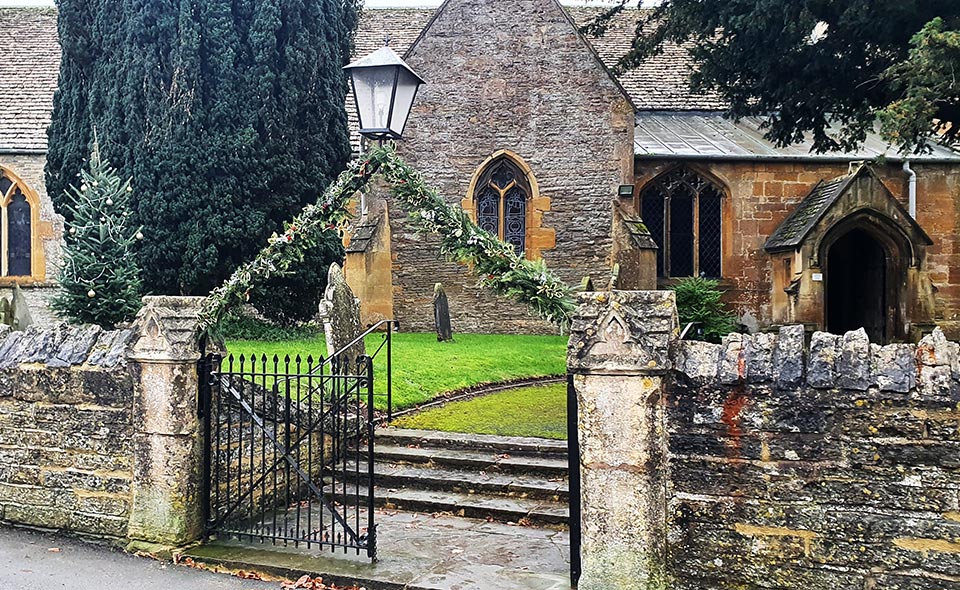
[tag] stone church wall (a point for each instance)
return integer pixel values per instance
(762, 462)
(511, 76)
(762, 194)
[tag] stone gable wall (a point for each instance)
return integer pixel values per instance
(66, 429)
(765, 462)
(510, 75)
(838, 467)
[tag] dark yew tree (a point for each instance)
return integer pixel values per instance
(228, 114)
(807, 64)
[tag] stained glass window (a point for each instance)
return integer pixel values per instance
(501, 198)
(515, 218)
(16, 228)
(18, 235)
(488, 210)
(683, 211)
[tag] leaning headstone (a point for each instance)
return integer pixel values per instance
(20, 311)
(340, 313)
(441, 314)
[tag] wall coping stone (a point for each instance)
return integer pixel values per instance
(65, 345)
(928, 370)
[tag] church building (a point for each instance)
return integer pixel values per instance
(632, 180)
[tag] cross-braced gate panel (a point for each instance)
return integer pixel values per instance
(286, 443)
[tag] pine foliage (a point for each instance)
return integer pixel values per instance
(100, 278)
(700, 301)
(824, 69)
(228, 114)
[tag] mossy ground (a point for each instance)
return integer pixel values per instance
(424, 368)
(539, 411)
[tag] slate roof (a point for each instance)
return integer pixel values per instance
(797, 225)
(700, 135)
(662, 81)
(362, 235)
(29, 68)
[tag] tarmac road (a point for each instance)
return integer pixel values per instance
(26, 563)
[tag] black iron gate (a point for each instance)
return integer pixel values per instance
(289, 451)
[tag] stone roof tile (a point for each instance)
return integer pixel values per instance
(29, 68)
(30, 65)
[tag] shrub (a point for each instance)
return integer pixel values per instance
(699, 300)
(238, 326)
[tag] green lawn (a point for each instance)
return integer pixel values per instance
(529, 411)
(424, 368)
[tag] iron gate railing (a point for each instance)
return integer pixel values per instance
(286, 441)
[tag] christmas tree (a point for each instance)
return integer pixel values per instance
(100, 278)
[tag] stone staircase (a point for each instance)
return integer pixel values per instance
(508, 479)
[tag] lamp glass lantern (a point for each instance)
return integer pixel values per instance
(384, 88)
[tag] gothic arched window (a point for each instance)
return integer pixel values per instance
(501, 196)
(682, 210)
(16, 228)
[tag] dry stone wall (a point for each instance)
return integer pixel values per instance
(66, 403)
(833, 467)
(99, 430)
(764, 462)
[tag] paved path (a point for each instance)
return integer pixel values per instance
(421, 552)
(26, 563)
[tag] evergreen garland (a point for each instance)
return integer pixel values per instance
(100, 280)
(498, 265)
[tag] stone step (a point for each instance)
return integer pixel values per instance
(514, 445)
(499, 508)
(490, 461)
(392, 476)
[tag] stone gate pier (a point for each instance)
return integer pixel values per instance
(774, 460)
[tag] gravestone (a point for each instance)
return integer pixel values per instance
(441, 314)
(340, 313)
(6, 314)
(19, 310)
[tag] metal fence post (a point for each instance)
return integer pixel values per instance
(573, 464)
(371, 428)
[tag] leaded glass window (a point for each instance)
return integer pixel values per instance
(683, 212)
(501, 196)
(18, 235)
(16, 228)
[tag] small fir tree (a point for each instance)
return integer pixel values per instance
(700, 301)
(100, 279)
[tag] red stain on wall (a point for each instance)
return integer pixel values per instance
(732, 408)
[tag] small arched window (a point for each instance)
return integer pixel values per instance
(502, 192)
(683, 212)
(16, 228)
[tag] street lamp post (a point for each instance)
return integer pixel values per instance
(384, 88)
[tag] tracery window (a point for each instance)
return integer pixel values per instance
(501, 196)
(16, 228)
(682, 210)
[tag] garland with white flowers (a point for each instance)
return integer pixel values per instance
(496, 262)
